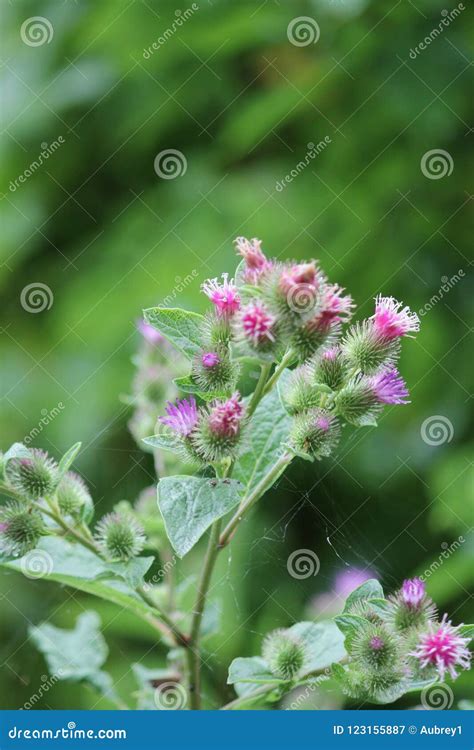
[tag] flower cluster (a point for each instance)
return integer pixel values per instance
(397, 642)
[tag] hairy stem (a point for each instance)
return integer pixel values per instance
(288, 357)
(258, 392)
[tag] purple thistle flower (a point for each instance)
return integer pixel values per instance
(413, 592)
(389, 387)
(149, 333)
(182, 416)
(391, 320)
(443, 648)
(223, 295)
(377, 643)
(210, 359)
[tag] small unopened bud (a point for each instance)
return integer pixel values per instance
(214, 371)
(284, 654)
(300, 394)
(366, 350)
(411, 607)
(119, 536)
(33, 476)
(316, 432)
(72, 496)
(375, 647)
(219, 430)
(329, 368)
(20, 529)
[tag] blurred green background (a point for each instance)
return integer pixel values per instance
(108, 236)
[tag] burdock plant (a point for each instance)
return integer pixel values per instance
(217, 450)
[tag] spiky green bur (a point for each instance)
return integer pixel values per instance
(366, 350)
(33, 476)
(309, 339)
(301, 394)
(119, 536)
(316, 432)
(357, 404)
(284, 654)
(215, 371)
(72, 495)
(329, 368)
(375, 648)
(20, 529)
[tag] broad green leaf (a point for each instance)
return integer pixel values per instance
(466, 631)
(349, 625)
(73, 565)
(268, 430)
(323, 642)
(164, 443)
(133, 571)
(68, 458)
(189, 505)
(371, 589)
(246, 672)
(72, 654)
(76, 654)
(183, 329)
(17, 450)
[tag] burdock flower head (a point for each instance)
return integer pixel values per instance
(219, 430)
(256, 263)
(444, 648)
(119, 536)
(223, 295)
(284, 654)
(315, 432)
(34, 475)
(392, 320)
(256, 327)
(20, 529)
(182, 416)
(215, 371)
(411, 606)
(362, 399)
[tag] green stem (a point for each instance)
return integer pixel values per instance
(265, 483)
(258, 392)
(288, 357)
(194, 656)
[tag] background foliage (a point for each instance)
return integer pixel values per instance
(109, 237)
